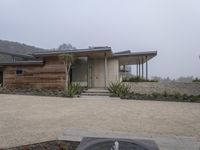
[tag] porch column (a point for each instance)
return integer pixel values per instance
(105, 71)
(13, 58)
(142, 67)
(88, 85)
(146, 67)
(137, 70)
(139, 67)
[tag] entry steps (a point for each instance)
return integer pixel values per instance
(96, 92)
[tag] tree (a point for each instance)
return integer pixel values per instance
(66, 47)
(67, 59)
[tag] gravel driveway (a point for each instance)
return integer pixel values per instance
(31, 119)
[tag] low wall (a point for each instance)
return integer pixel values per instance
(160, 87)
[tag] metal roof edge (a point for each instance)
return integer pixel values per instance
(101, 49)
(17, 55)
(15, 63)
(154, 53)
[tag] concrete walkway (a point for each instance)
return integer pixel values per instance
(31, 119)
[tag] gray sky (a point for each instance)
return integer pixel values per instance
(172, 27)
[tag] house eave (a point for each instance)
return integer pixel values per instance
(75, 52)
(148, 53)
(18, 55)
(18, 63)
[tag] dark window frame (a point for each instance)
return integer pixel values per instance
(19, 72)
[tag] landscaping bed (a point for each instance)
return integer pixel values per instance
(73, 90)
(33, 91)
(162, 97)
(49, 145)
(122, 90)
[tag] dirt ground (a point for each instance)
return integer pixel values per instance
(32, 119)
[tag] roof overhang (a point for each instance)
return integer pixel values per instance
(135, 58)
(91, 52)
(19, 63)
(17, 55)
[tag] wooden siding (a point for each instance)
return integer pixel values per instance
(49, 75)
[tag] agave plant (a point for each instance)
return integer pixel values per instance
(119, 89)
(72, 90)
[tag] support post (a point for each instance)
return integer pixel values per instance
(13, 58)
(105, 70)
(87, 73)
(139, 67)
(146, 67)
(142, 67)
(137, 70)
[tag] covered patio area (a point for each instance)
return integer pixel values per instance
(138, 59)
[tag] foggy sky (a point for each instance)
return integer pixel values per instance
(171, 27)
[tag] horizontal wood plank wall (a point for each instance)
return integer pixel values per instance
(49, 75)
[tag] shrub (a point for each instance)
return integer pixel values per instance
(136, 79)
(196, 80)
(177, 95)
(119, 89)
(72, 90)
(113, 87)
(165, 94)
(185, 97)
(155, 95)
(193, 98)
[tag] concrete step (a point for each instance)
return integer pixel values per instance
(88, 97)
(96, 90)
(95, 94)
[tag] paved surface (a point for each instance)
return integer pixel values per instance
(163, 142)
(31, 119)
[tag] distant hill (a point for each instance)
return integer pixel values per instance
(15, 47)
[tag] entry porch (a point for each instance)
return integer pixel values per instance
(98, 71)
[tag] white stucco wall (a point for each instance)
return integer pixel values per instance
(112, 70)
(93, 72)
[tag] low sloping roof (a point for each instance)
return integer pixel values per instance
(148, 53)
(125, 57)
(134, 58)
(16, 63)
(123, 52)
(18, 55)
(89, 50)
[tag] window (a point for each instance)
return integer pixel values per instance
(19, 72)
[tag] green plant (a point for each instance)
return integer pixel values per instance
(193, 98)
(67, 60)
(196, 80)
(136, 79)
(119, 89)
(124, 90)
(185, 96)
(165, 94)
(113, 87)
(177, 95)
(155, 95)
(72, 90)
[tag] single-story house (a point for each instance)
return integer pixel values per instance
(93, 67)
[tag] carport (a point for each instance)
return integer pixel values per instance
(138, 59)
